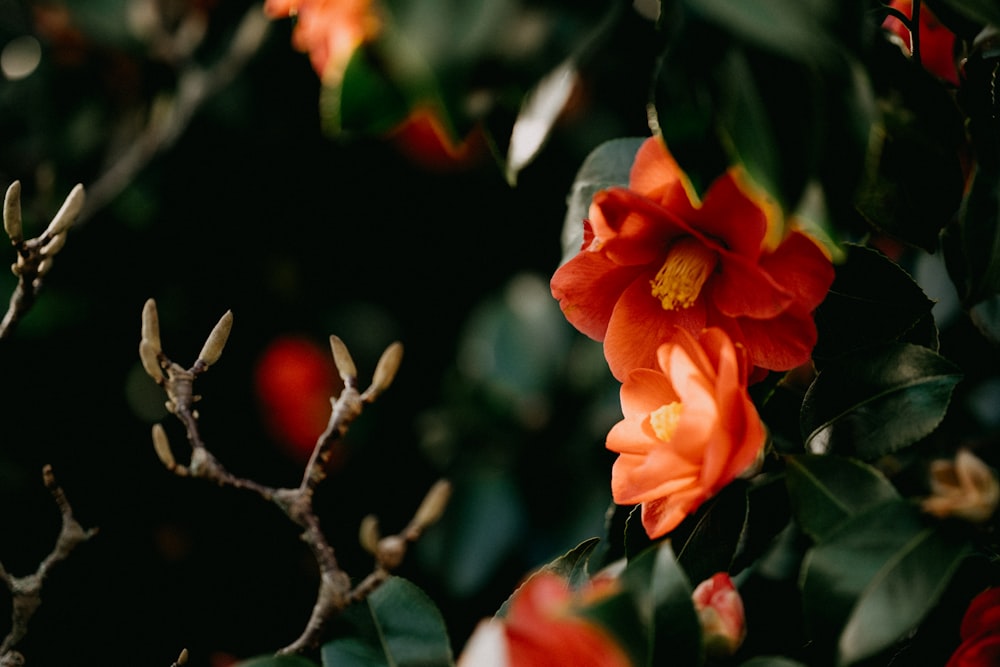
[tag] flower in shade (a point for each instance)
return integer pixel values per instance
(980, 632)
(654, 257)
(965, 488)
(544, 627)
(328, 30)
(720, 612)
(689, 429)
(937, 42)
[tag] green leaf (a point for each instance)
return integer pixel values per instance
(707, 541)
(986, 316)
(606, 166)
(868, 287)
(875, 578)
(877, 401)
(972, 249)
(826, 490)
(981, 11)
(277, 661)
(571, 566)
(396, 626)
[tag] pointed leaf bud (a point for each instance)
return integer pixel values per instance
(67, 213)
(368, 534)
(151, 325)
(54, 245)
(44, 266)
(149, 356)
(390, 551)
(12, 213)
(161, 444)
(342, 358)
(216, 341)
(385, 371)
(182, 658)
(433, 505)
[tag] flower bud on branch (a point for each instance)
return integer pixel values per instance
(12, 213)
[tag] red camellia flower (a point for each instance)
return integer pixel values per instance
(980, 632)
(690, 429)
(937, 42)
(655, 258)
(543, 628)
(328, 30)
(294, 379)
(720, 612)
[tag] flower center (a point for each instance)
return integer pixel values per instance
(664, 420)
(679, 281)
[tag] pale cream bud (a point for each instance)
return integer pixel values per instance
(161, 444)
(67, 213)
(342, 358)
(182, 658)
(965, 488)
(12, 213)
(216, 341)
(149, 356)
(151, 325)
(44, 266)
(54, 245)
(385, 371)
(368, 534)
(390, 551)
(433, 505)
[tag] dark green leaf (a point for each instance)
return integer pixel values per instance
(825, 490)
(277, 661)
(986, 316)
(868, 288)
(877, 401)
(368, 100)
(875, 577)
(571, 566)
(982, 12)
(396, 626)
(707, 541)
(973, 249)
(607, 165)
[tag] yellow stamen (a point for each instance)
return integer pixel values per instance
(664, 420)
(688, 265)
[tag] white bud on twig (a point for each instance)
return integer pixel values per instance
(151, 325)
(385, 371)
(161, 444)
(216, 341)
(433, 505)
(149, 356)
(54, 245)
(182, 658)
(342, 358)
(368, 534)
(44, 266)
(67, 213)
(12, 213)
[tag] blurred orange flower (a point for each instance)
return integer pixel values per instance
(655, 258)
(544, 628)
(328, 30)
(690, 429)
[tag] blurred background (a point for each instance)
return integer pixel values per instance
(252, 204)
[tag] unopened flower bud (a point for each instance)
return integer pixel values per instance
(149, 357)
(390, 551)
(54, 245)
(433, 505)
(67, 213)
(162, 447)
(12, 213)
(44, 266)
(368, 534)
(151, 325)
(216, 341)
(385, 371)
(182, 658)
(965, 488)
(342, 358)
(720, 612)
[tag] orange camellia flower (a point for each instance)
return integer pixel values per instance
(690, 429)
(654, 258)
(544, 628)
(328, 30)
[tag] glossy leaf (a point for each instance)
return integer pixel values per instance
(877, 401)
(973, 248)
(571, 566)
(707, 541)
(396, 626)
(826, 490)
(986, 316)
(875, 577)
(867, 288)
(539, 112)
(606, 166)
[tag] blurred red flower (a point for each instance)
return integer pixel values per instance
(295, 379)
(980, 632)
(544, 628)
(690, 429)
(937, 42)
(328, 30)
(655, 258)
